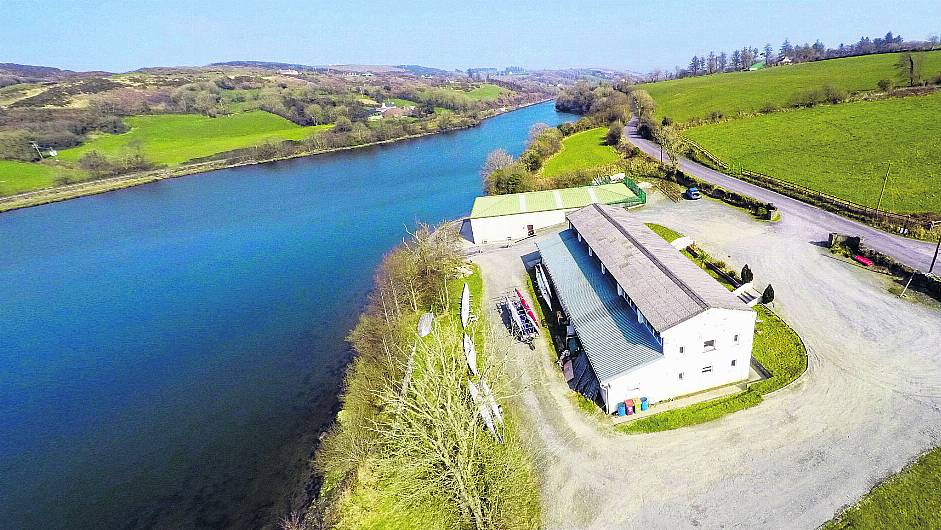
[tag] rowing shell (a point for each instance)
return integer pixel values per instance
(543, 285)
(492, 401)
(511, 307)
(482, 408)
(471, 354)
(529, 311)
(465, 306)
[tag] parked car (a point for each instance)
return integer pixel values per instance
(692, 193)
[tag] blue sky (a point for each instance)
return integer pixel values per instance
(634, 35)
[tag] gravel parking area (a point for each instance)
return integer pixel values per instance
(869, 403)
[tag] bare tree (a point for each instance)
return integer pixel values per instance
(536, 130)
(497, 159)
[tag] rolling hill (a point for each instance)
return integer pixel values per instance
(695, 97)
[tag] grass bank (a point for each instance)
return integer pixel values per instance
(777, 348)
(695, 97)
(420, 458)
(581, 150)
(842, 150)
(907, 500)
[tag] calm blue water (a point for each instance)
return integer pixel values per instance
(169, 353)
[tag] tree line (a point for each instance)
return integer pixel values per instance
(788, 53)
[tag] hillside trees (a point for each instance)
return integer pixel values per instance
(723, 61)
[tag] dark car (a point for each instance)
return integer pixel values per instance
(692, 193)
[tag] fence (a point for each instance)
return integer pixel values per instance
(897, 222)
(641, 194)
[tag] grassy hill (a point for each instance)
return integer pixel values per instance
(695, 97)
(176, 138)
(581, 150)
(843, 149)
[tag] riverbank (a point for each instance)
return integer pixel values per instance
(95, 187)
(234, 292)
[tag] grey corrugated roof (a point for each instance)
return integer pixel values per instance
(606, 326)
(666, 286)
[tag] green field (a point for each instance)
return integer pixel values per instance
(486, 92)
(579, 151)
(695, 97)
(175, 138)
(842, 150)
(401, 103)
(907, 500)
(17, 177)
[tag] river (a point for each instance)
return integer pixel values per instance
(170, 352)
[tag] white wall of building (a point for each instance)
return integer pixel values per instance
(512, 227)
(701, 366)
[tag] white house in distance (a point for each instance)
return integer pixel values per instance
(518, 215)
(650, 322)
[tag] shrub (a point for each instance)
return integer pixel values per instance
(343, 124)
(747, 274)
(833, 94)
(768, 296)
(768, 108)
(615, 131)
(666, 121)
(885, 85)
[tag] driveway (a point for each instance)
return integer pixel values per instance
(869, 403)
(916, 254)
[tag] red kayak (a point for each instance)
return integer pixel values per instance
(529, 311)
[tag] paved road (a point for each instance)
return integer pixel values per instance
(915, 254)
(869, 403)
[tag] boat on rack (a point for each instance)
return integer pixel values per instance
(529, 311)
(520, 324)
(542, 283)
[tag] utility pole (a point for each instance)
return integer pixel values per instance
(936, 248)
(884, 182)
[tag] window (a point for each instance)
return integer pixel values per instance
(706, 369)
(681, 375)
(682, 349)
(733, 362)
(709, 345)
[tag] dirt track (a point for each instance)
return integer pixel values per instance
(869, 403)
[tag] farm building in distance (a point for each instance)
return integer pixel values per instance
(647, 321)
(518, 215)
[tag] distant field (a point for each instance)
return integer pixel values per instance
(399, 102)
(581, 150)
(695, 97)
(843, 149)
(486, 92)
(176, 138)
(16, 177)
